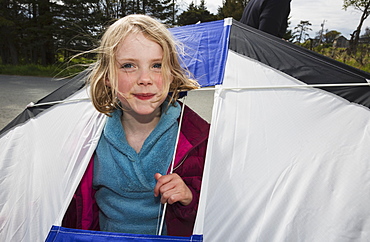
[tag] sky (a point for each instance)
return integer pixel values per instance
(314, 11)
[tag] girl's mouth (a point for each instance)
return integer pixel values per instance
(144, 96)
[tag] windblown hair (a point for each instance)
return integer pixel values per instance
(103, 96)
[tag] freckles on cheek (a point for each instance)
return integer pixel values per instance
(124, 82)
(160, 82)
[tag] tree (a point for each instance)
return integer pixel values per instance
(322, 32)
(26, 29)
(367, 33)
(195, 14)
(320, 36)
(232, 8)
(300, 31)
(165, 10)
(9, 20)
(330, 36)
(364, 7)
(78, 24)
(45, 27)
(42, 31)
(288, 33)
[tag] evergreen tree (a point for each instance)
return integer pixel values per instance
(300, 31)
(45, 26)
(79, 23)
(195, 14)
(39, 31)
(163, 10)
(167, 11)
(27, 32)
(288, 33)
(10, 30)
(232, 8)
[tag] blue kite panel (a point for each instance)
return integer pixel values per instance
(205, 48)
(61, 234)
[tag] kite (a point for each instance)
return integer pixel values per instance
(287, 158)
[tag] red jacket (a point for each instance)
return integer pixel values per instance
(189, 163)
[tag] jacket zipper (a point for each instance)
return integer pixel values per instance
(182, 161)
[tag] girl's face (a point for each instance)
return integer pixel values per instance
(140, 81)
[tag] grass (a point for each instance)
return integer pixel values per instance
(39, 70)
(62, 68)
(360, 60)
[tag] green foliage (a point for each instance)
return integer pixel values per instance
(166, 10)
(38, 32)
(356, 4)
(232, 8)
(195, 14)
(364, 7)
(360, 60)
(61, 69)
(330, 36)
(300, 31)
(288, 33)
(40, 70)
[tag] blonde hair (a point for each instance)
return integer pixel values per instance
(104, 97)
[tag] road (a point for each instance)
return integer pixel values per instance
(18, 91)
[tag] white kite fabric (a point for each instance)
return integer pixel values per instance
(290, 165)
(42, 165)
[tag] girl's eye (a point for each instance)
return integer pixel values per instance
(157, 65)
(127, 66)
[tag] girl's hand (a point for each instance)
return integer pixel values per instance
(172, 189)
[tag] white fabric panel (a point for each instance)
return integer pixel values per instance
(284, 164)
(41, 164)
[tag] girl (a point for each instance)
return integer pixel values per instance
(137, 68)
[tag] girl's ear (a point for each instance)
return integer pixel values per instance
(107, 82)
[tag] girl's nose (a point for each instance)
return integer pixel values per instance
(145, 78)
